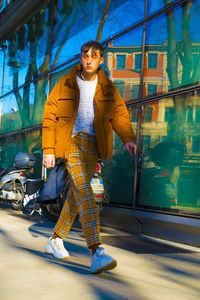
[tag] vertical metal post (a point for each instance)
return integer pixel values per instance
(139, 108)
(2, 83)
(44, 170)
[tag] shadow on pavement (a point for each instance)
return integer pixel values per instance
(141, 246)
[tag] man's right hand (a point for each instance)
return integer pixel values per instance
(49, 161)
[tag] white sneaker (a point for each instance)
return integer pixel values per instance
(56, 248)
(101, 261)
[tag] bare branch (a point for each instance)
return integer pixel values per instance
(103, 19)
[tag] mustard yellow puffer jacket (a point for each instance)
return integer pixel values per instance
(60, 112)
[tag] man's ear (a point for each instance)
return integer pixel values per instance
(101, 60)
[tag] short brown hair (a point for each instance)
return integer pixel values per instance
(94, 45)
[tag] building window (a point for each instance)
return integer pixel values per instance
(133, 115)
(152, 89)
(121, 61)
(190, 114)
(152, 60)
(135, 91)
(137, 65)
(195, 144)
(169, 111)
(197, 115)
(148, 111)
(146, 141)
(120, 86)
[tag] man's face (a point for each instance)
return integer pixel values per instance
(91, 61)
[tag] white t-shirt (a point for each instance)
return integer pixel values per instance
(85, 115)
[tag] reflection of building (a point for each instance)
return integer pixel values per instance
(158, 116)
(124, 67)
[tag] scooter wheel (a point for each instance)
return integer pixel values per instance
(18, 205)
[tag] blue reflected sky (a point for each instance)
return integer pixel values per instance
(132, 38)
(156, 5)
(9, 103)
(116, 16)
(157, 28)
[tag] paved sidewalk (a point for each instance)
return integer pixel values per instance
(146, 270)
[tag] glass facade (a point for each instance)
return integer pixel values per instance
(152, 54)
(29, 142)
(169, 158)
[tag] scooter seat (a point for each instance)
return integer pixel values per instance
(3, 172)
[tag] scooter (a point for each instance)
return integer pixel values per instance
(13, 180)
(26, 194)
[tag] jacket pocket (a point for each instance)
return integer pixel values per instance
(66, 108)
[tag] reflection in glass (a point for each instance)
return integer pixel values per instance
(10, 118)
(1, 69)
(78, 22)
(156, 5)
(28, 51)
(29, 142)
(123, 63)
(172, 53)
(118, 174)
(24, 107)
(169, 152)
(4, 3)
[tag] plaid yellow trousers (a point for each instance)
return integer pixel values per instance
(81, 166)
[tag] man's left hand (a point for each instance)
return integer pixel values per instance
(131, 147)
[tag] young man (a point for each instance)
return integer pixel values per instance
(79, 117)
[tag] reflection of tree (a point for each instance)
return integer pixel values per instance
(189, 75)
(34, 30)
(103, 19)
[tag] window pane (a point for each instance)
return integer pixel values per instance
(169, 152)
(126, 47)
(137, 62)
(125, 15)
(152, 60)
(120, 86)
(77, 22)
(121, 61)
(172, 53)
(135, 91)
(152, 89)
(27, 53)
(148, 111)
(156, 5)
(24, 107)
(29, 142)
(118, 174)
